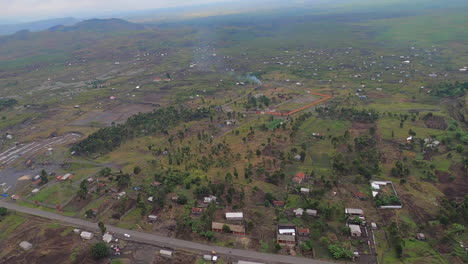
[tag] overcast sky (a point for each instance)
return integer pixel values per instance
(25, 10)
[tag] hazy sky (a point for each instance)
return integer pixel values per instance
(23, 10)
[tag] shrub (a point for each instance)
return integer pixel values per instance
(100, 250)
(338, 252)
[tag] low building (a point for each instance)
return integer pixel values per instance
(211, 258)
(107, 238)
(299, 178)
(25, 245)
(354, 211)
(286, 235)
(237, 216)
(120, 195)
(420, 236)
(374, 226)
(360, 195)
(152, 218)
(86, 235)
(209, 199)
(317, 135)
(197, 211)
(67, 176)
(303, 231)
(235, 229)
(94, 211)
(278, 203)
(165, 253)
(248, 262)
(155, 184)
(298, 212)
(311, 212)
(305, 190)
(355, 230)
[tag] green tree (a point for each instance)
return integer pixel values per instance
(83, 191)
(89, 213)
(338, 252)
(123, 180)
(201, 192)
(182, 199)
(3, 212)
(456, 229)
(105, 172)
(226, 229)
(137, 170)
(142, 206)
(102, 227)
(44, 177)
(100, 250)
(303, 156)
(258, 152)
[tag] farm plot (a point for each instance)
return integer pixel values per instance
(27, 149)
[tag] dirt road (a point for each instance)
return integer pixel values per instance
(161, 241)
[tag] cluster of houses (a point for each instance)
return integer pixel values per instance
(235, 225)
(288, 234)
(385, 188)
(431, 143)
(355, 218)
(65, 177)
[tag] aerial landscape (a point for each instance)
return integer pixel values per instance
(263, 131)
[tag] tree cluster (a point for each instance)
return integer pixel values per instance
(107, 139)
(350, 114)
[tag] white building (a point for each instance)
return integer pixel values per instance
(107, 237)
(25, 245)
(209, 199)
(355, 230)
(86, 235)
(311, 212)
(165, 253)
(354, 211)
(238, 216)
(298, 212)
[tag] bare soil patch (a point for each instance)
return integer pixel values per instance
(50, 245)
(454, 184)
(435, 122)
(419, 215)
(375, 95)
(117, 114)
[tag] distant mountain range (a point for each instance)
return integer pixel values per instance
(99, 25)
(35, 26)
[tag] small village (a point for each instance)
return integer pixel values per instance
(345, 144)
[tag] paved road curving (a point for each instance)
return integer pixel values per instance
(162, 241)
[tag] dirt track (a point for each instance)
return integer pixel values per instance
(325, 98)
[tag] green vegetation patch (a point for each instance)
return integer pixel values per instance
(9, 224)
